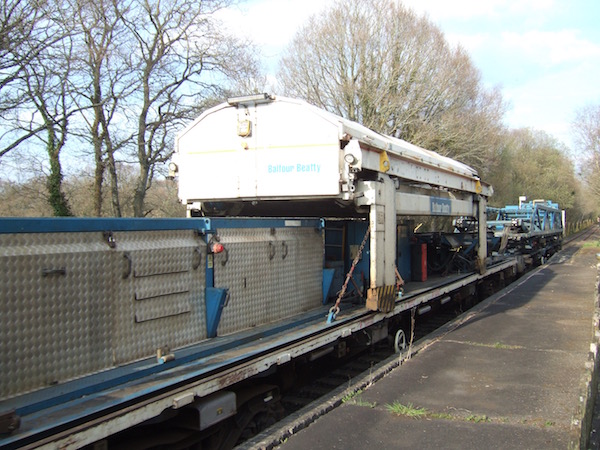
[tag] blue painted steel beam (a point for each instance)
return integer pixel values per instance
(203, 224)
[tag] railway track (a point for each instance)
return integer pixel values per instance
(329, 377)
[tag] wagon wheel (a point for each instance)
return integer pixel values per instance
(399, 341)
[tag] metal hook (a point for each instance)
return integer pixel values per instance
(271, 251)
(333, 312)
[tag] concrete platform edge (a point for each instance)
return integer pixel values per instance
(582, 418)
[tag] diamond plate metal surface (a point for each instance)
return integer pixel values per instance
(76, 303)
(271, 274)
(161, 302)
(55, 322)
(71, 305)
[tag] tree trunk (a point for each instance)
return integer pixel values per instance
(139, 195)
(56, 198)
(114, 184)
(99, 169)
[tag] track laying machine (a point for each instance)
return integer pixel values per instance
(114, 330)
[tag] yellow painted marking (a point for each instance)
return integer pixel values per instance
(384, 162)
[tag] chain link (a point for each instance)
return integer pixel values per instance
(335, 309)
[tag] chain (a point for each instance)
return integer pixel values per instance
(335, 309)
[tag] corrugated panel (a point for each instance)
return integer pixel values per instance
(270, 274)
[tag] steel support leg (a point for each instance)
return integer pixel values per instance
(482, 232)
(382, 218)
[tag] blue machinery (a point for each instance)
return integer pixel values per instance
(535, 217)
(534, 228)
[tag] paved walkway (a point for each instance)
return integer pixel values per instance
(510, 374)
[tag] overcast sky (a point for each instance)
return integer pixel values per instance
(543, 54)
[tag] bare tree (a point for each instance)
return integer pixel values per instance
(35, 99)
(19, 28)
(105, 81)
(378, 63)
(121, 76)
(25, 33)
(586, 129)
(180, 57)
